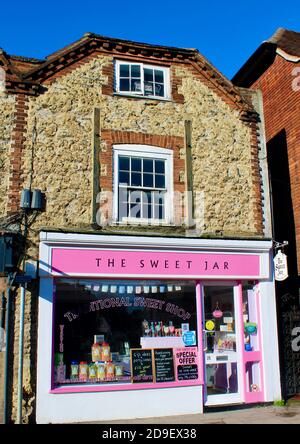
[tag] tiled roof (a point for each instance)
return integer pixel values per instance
(33, 71)
(288, 41)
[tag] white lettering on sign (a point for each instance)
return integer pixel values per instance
(280, 266)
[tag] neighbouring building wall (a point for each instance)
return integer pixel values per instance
(281, 98)
(7, 108)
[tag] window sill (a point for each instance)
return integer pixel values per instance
(141, 224)
(123, 387)
(132, 96)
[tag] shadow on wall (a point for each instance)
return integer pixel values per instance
(282, 206)
(287, 292)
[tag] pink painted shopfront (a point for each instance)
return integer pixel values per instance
(137, 327)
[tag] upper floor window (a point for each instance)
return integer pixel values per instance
(143, 184)
(142, 80)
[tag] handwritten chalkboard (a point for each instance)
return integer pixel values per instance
(164, 365)
(141, 363)
(187, 372)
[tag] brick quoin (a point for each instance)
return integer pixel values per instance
(282, 112)
(16, 154)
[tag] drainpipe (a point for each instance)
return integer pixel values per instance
(6, 361)
(2, 318)
(21, 353)
(21, 334)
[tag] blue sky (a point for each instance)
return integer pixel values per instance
(226, 32)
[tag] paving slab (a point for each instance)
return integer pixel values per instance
(252, 415)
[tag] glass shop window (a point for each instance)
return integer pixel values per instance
(99, 323)
(220, 332)
(250, 319)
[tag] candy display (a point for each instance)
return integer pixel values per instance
(83, 371)
(119, 370)
(92, 371)
(110, 370)
(101, 373)
(101, 369)
(96, 352)
(74, 374)
(105, 352)
(158, 328)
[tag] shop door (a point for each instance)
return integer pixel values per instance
(222, 345)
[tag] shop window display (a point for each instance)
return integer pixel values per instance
(220, 340)
(101, 327)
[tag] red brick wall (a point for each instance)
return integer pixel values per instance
(16, 156)
(282, 112)
(130, 137)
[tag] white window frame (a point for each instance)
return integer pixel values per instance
(151, 152)
(166, 74)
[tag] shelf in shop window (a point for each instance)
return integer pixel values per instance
(162, 342)
(94, 380)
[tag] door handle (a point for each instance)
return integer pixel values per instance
(204, 340)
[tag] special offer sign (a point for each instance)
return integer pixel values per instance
(187, 363)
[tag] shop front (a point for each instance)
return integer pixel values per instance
(142, 327)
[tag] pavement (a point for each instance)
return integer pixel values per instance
(289, 414)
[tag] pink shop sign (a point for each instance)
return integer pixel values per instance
(96, 262)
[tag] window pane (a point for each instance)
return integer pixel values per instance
(159, 90)
(159, 181)
(160, 166)
(159, 76)
(123, 210)
(136, 179)
(123, 177)
(135, 71)
(135, 196)
(136, 164)
(148, 75)
(124, 85)
(159, 198)
(156, 211)
(148, 165)
(156, 197)
(124, 70)
(135, 210)
(148, 87)
(161, 212)
(147, 197)
(146, 211)
(148, 180)
(123, 195)
(124, 163)
(135, 85)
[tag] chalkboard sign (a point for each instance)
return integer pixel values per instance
(164, 365)
(186, 372)
(141, 363)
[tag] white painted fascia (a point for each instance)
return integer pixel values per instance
(260, 246)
